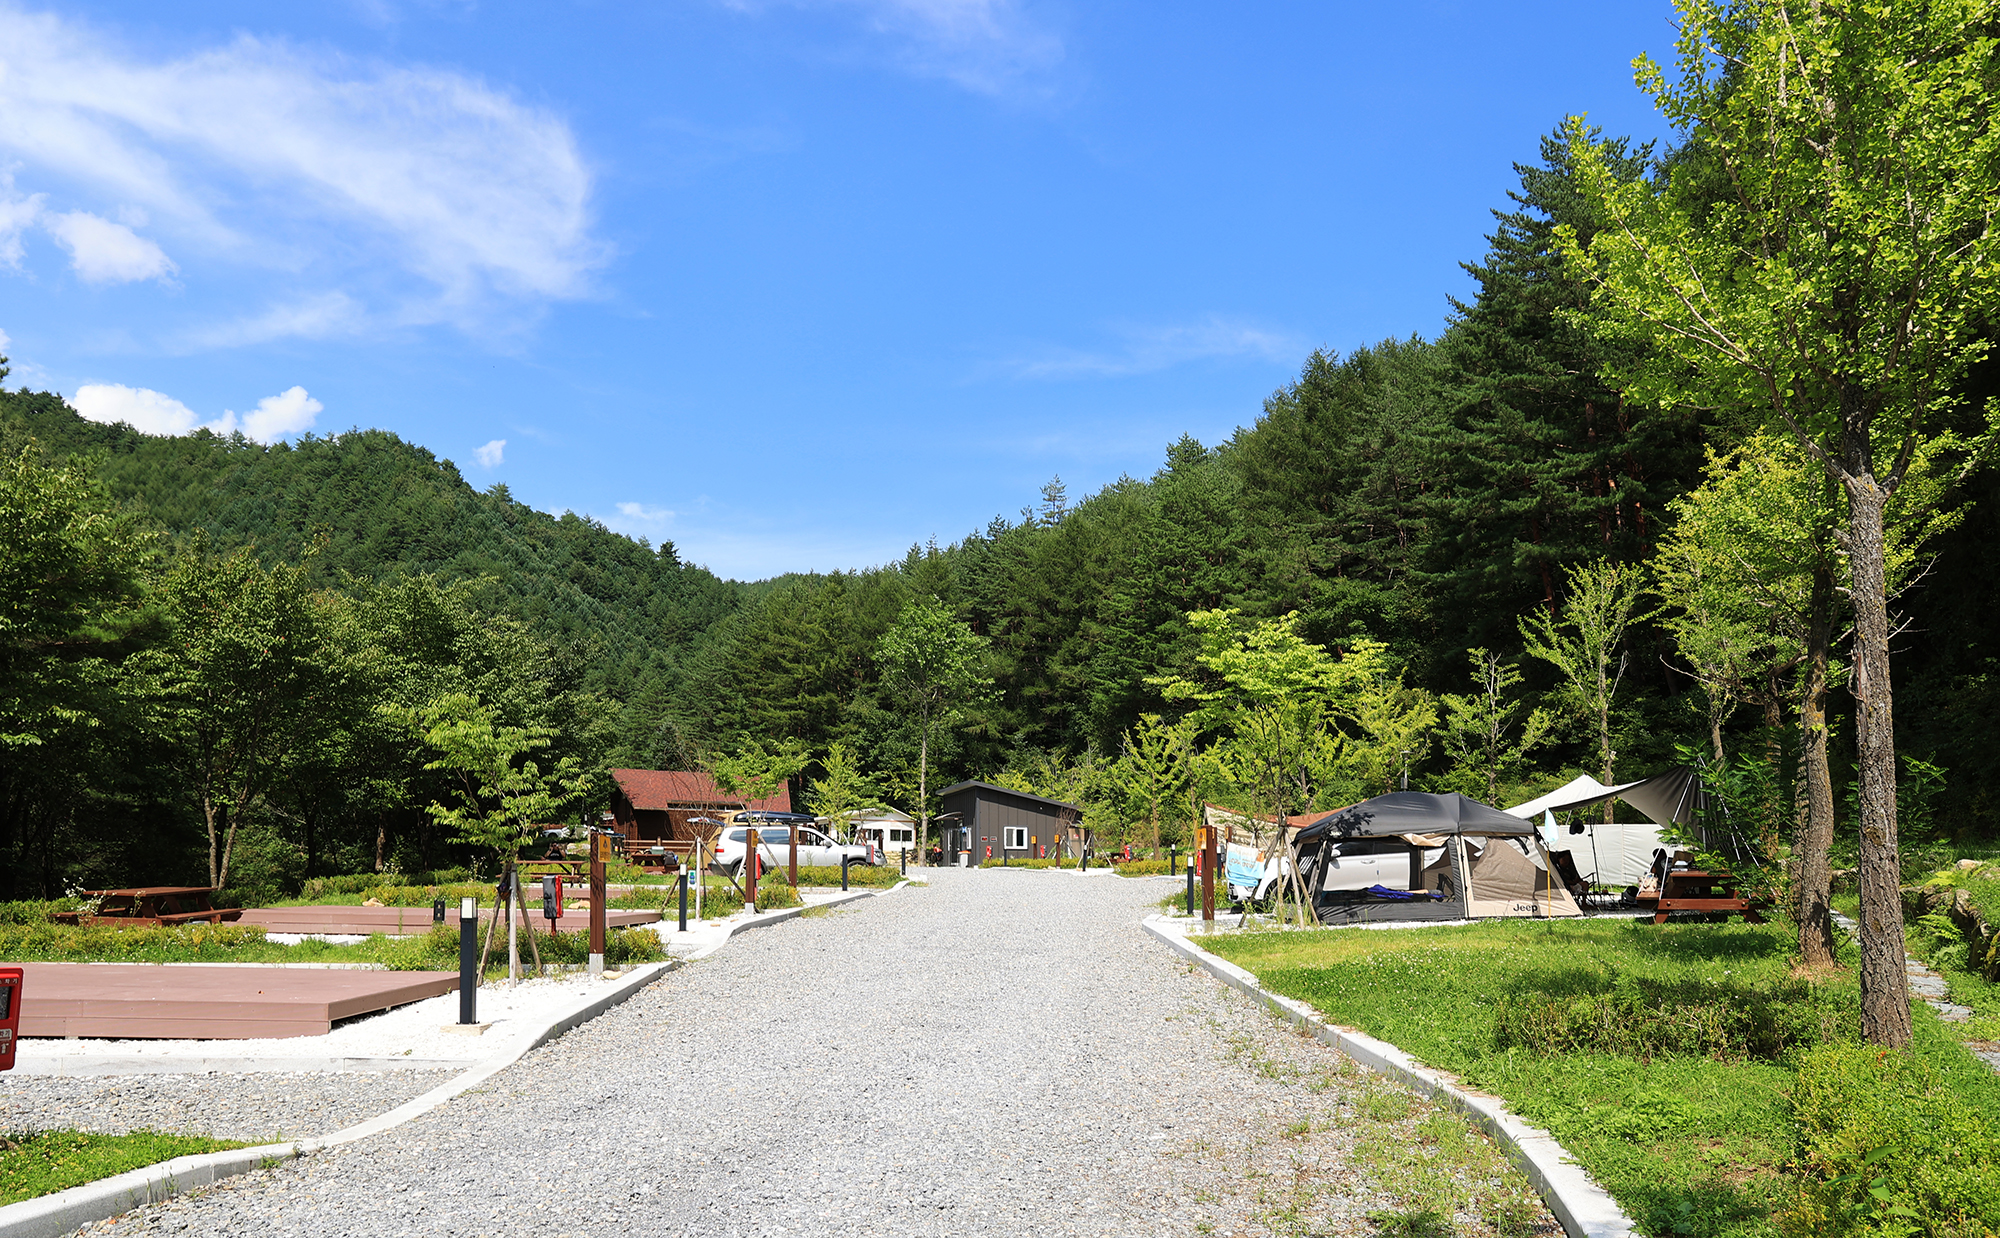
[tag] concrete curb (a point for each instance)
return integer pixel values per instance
(49, 1216)
(1583, 1207)
(107, 1065)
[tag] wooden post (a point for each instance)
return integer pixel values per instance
(792, 861)
(510, 881)
(600, 854)
(1206, 833)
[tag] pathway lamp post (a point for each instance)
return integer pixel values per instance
(468, 960)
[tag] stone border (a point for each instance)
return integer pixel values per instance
(49, 1216)
(1583, 1207)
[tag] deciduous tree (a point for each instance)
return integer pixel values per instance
(1842, 288)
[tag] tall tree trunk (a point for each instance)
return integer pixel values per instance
(923, 791)
(1812, 873)
(208, 812)
(1885, 987)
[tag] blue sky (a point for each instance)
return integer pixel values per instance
(792, 283)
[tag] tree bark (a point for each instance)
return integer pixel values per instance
(1812, 875)
(1885, 988)
(923, 791)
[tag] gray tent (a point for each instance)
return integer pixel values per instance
(1465, 860)
(1620, 854)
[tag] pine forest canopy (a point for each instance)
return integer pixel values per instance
(1421, 513)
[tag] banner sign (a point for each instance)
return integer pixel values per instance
(1244, 866)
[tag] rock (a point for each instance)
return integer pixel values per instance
(1969, 865)
(373, 902)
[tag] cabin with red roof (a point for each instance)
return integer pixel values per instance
(656, 807)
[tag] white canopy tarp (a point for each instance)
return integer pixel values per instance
(1616, 855)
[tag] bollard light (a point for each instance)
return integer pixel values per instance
(468, 960)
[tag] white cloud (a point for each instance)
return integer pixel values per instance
(641, 512)
(151, 412)
(313, 318)
(15, 216)
(103, 252)
(256, 151)
(1146, 350)
(992, 47)
(4, 341)
(288, 412)
(491, 454)
(148, 412)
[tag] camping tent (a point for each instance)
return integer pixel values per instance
(1620, 854)
(1466, 860)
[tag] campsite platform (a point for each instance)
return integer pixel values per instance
(414, 921)
(152, 1001)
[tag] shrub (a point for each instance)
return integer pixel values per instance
(358, 883)
(864, 875)
(144, 943)
(1643, 1017)
(1143, 868)
(1886, 1145)
(437, 950)
(35, 910)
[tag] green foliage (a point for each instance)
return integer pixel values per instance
(437, 950)
(1893, 1143)
(1724, 1020)
(37, 1163)
(362, 884)
(755, 772)
(1485, 742)
(843, 792)
(501, 796)
(1584, 643)
(101, 943)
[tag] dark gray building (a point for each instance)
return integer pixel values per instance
(991, 821)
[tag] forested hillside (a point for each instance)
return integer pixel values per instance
(1411, 503)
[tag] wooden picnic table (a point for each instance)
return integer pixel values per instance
(160, 905)
(1689, 889)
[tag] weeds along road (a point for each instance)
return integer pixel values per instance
(999, 1053)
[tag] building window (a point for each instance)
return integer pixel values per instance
(1016, 838)
(902, 836)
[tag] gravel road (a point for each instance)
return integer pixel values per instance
(1001, 1053)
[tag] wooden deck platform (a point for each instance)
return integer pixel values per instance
(155, 1001)
(413, 921)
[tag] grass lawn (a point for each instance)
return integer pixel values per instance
(1664, 1059)
(50, 1161)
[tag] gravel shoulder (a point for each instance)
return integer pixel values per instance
(1000, 1053)
(269, 1107)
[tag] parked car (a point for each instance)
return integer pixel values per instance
(774, 843)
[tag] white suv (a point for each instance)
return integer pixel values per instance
(774, 843)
